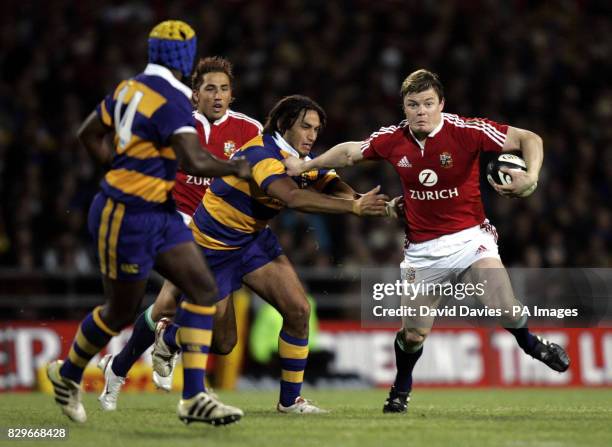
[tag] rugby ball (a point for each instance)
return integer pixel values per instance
(510, 161)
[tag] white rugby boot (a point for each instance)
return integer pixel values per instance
(67, 393)
(162, 356)
(301, 406)
(205, 407)
(165, 383)
(112, 384)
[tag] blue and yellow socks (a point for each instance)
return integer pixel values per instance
(142, 337)
(194, 335)
(92, 336)
(293, 353)
(170, 337)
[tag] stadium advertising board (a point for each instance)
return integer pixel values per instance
(474, 357)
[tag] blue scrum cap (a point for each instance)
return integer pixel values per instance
(172, 43)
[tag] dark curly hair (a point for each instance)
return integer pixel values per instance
(286, 111)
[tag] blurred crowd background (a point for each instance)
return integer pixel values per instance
(544, 66)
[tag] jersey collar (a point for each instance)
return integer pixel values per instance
(284, 146)
(437, 129)
(222, 119)
(163, 72)
(206, 124)
(431, 134)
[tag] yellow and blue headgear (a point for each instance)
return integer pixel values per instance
(173, 44)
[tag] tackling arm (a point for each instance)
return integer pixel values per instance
(287, 191)
(343, 154)
(198, 162)
(394, 208)
(338, 188)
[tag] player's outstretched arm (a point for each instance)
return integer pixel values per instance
(286, 190)
(343, 154)
(338, 188)
(91, 135)
(393, 208)
(195, 161)
(532, 147)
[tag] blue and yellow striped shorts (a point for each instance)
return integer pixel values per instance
(127, 241)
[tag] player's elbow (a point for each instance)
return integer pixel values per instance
(293, 199)
(87, 137)
(197, 164)
(292, 204)
(540, 142)
(532, 138)
(95, 148)
(191, 166)
(81, 135)
(353, 152)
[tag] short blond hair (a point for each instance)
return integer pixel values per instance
(421, 80)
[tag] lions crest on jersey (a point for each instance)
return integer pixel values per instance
(446, 160)
(229, 147)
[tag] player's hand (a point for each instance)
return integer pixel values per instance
(294, 165)
(395, 207)
(371, 204)
(523, 184)
(242, 168)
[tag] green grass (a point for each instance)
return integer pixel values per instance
(513, 418)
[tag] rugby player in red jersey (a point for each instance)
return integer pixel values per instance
(221, 131)
(436, 156)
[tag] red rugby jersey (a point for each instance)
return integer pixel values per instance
(440, 180)
(221, 138)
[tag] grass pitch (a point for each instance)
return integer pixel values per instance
(515, 418)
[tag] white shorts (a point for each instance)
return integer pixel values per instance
(438, 260)
(186, 217)
(442, 261)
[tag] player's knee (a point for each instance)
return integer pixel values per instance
(162, 313)
(159, 312)
(514, 321)
(204, 294)
(199, 287)
(117, 321)
(298, 311)
(224, 345)
(414, 338)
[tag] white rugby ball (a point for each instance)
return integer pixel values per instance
(510, 161)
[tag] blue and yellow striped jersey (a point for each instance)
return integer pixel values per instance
(145, 112)
(233, 210)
